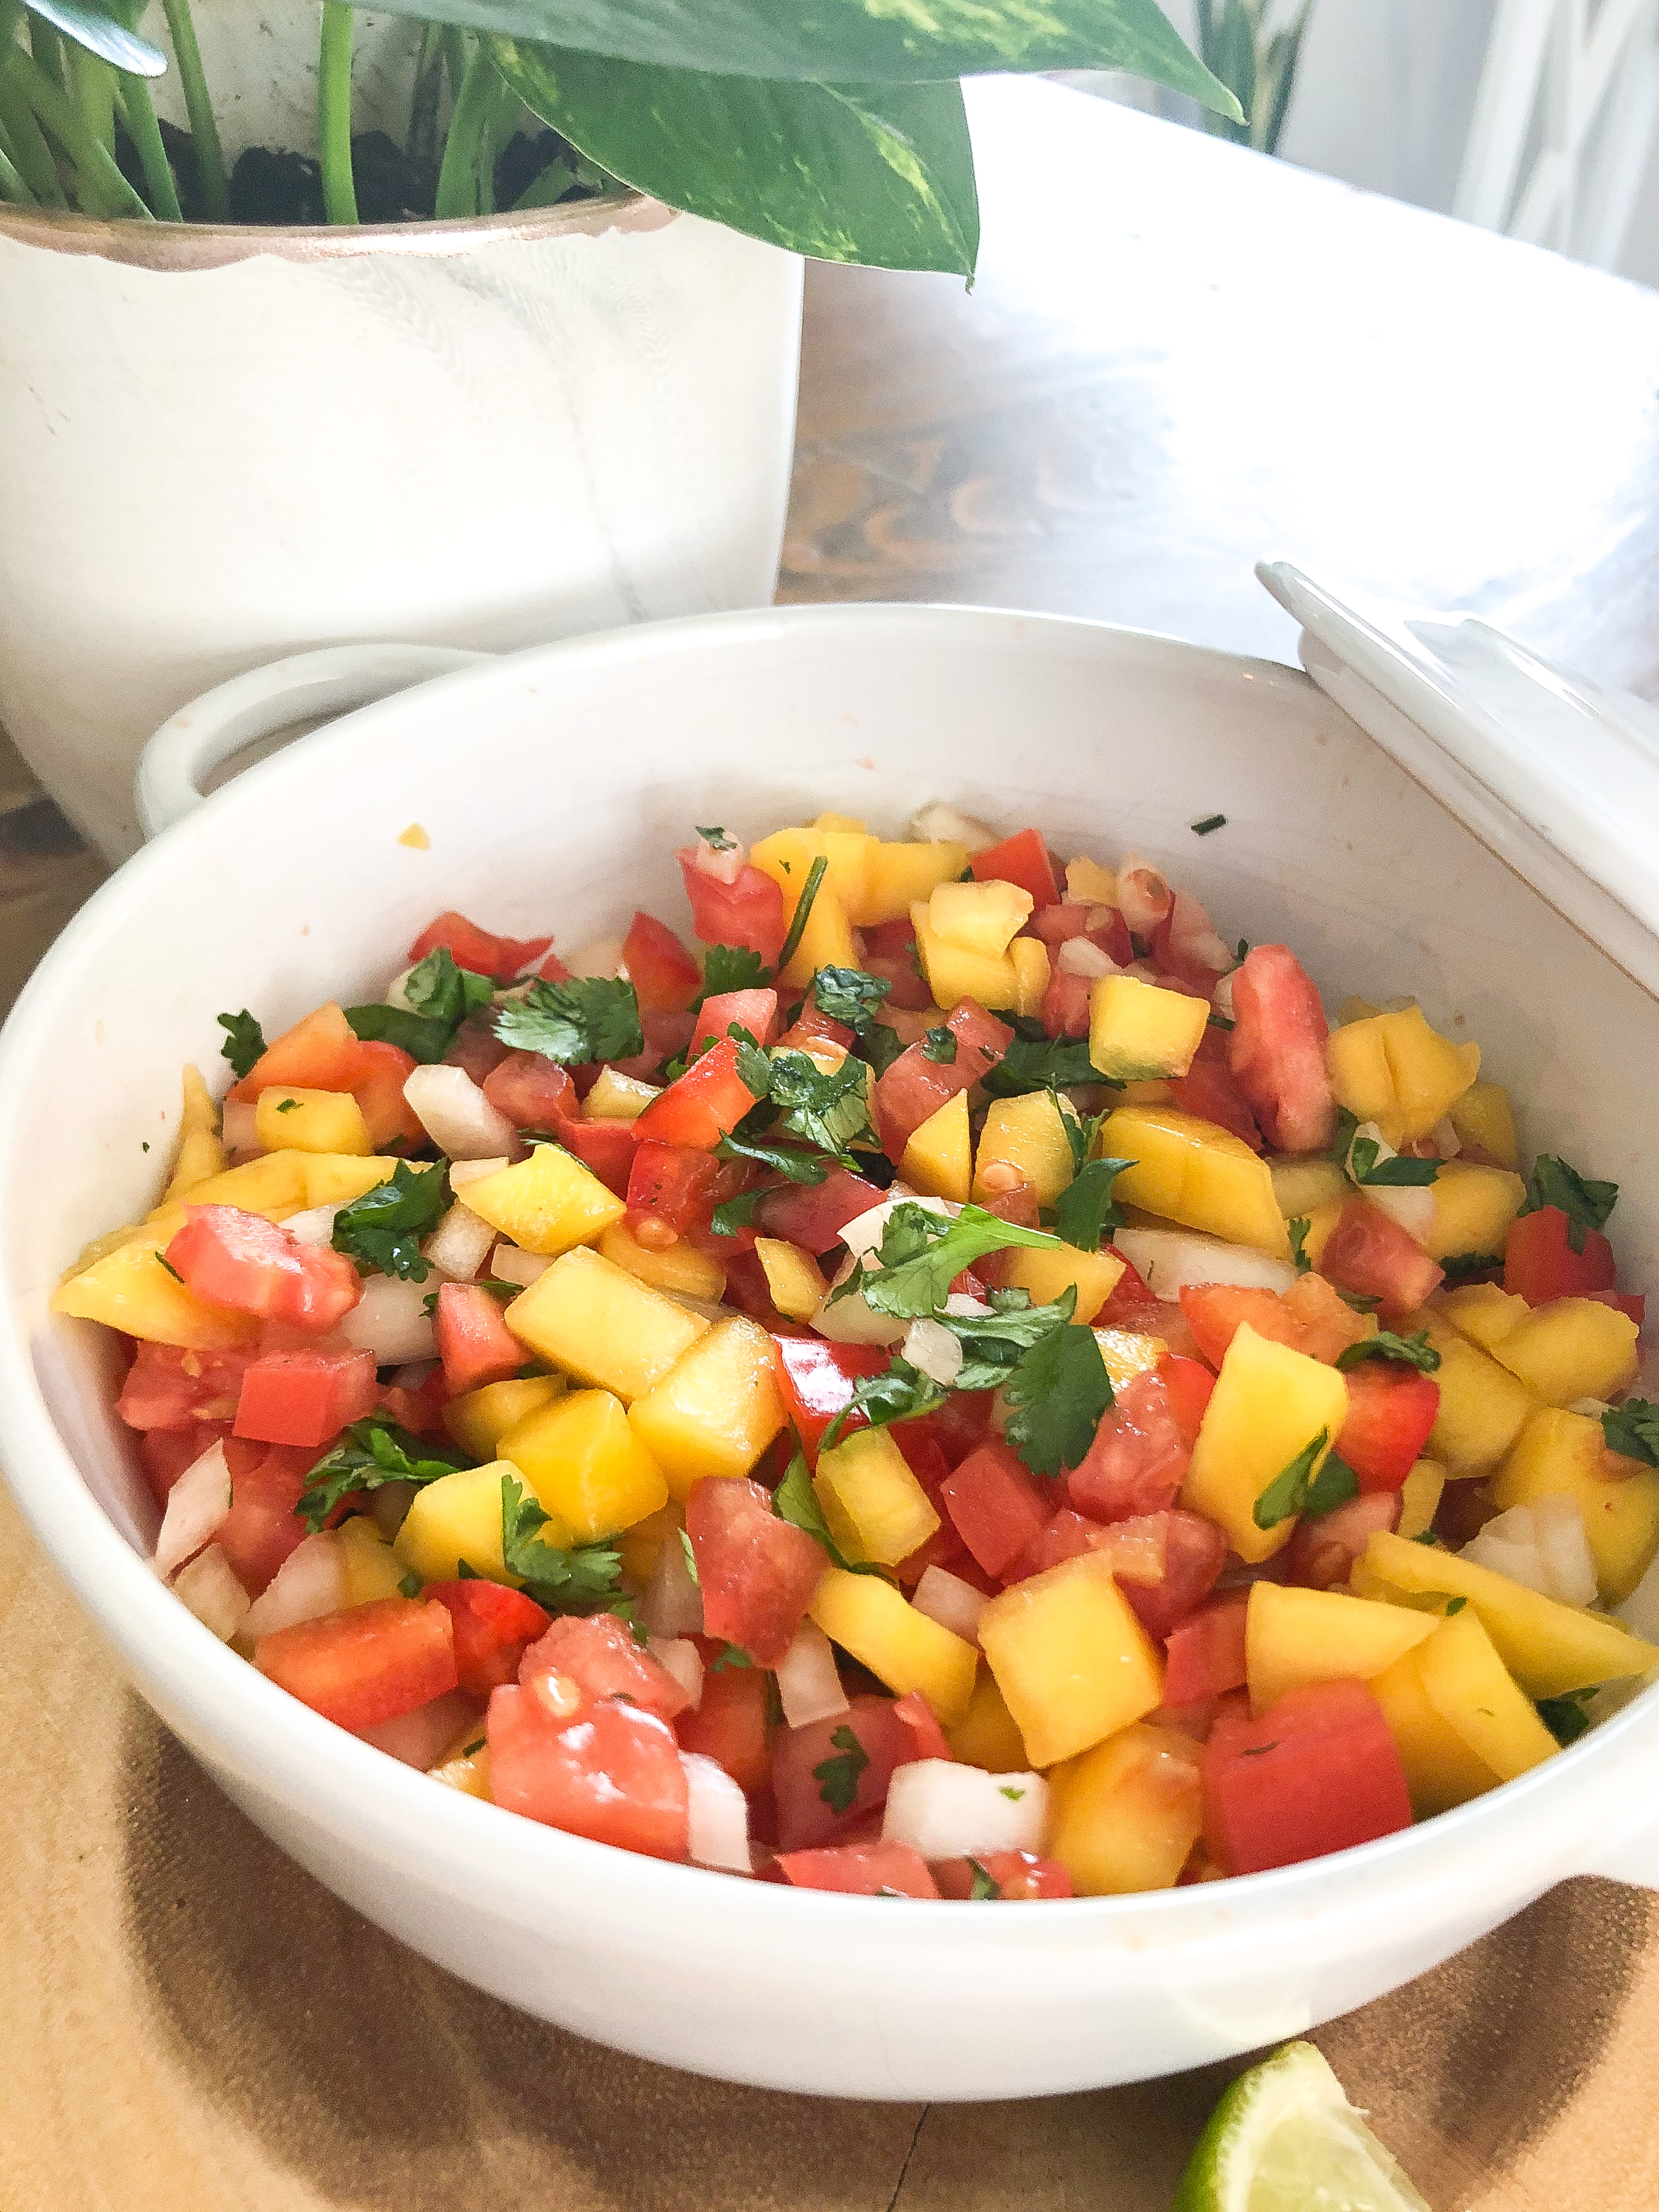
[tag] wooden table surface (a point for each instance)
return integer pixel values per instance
(1178, 357)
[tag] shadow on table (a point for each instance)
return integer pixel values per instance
(380, 2081)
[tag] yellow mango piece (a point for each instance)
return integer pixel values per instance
(1125, 1353)
(1482, 1312)
(851, 851)
(938, 1159)
(459, 1518)
(271, 1187)
(1441, 1771)
(1269, 1403)
(868, 1618)
(547, 1203)
(1029, 1135)
(587, 1464)
(601, 1323)
(1303, 1181)
(372, 1570)
(1138, 1032)
(1395, 1070)
(1473, 1691)
(1473, 1207)
(1128, 1814)
(954, 973)
(1046, 1274)
(898, 876)
(1147, 1094)
(1190, 1171)
(478, 1420)
(985, 1735)
(716, 1409)
(312, 1122)
(1419, 1498)
(200, 1152)
(1572, 1348)
(336, 1178)
(641, 1546)
(1550, 1648)
(827, 940)
(1562, 1455)
(1032, 969)
(876, 1510)
(1482, 1405)
(1293, 1635)
(1087, 883)
(794, 1280)
(681, 1268)
(617, 1097)
(464, 1765)
(130, 1289)
(851, 822)
(1071, 1661)
(981, 918)
(1483, 1117)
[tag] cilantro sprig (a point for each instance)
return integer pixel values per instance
(383, 1228)
(900, 1392)
(730, 968)
(921, 1254)
(1286, 1495)
(1367, 1166)
(1586, 1203)
(1036, 1062)
(851, 996)
(829, 1110)
(837, 1777)
(440, 994)
(371, 1452)
(1085, 1209)
(588, 1019)
(587, 1578)
(1060, 1392)
(1633, 1429)
(243, 1045)
(1413, 1351)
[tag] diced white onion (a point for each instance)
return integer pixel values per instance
(414, 1374)
(935, 1351)
(1081, 956)
(672, 1604)
(510, 1265)
(1144, 896)
(718, 1816)
(1170, 1260)
(678, 1656)
(1543, 1546)
(314, 1226)
(238, 1128)
(724, 864)
(209, 1588)
(457, 1116)
(421, 1738)
(809, 1687)
(310, 1583)
(462, 1172)
(1222, 997)
(1445, 1140)
(946, 1811)
(196, 1505)
(1592, 1408)
(397, 991)
(600, 955)
(460, 1243)
(953, 1603)
(391, 1321)
(1411, 1204)
(853, 1320)
(1192, 935)
(940, 824)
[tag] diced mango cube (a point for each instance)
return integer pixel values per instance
(1572, 1348)
(953, 972)
(459, 1518)
(1138, 1032)
(901, 875)
(681, 1268)
(1294, 1635)
(277, 1184)
(1441, 1769)
(981, 918)
(1128, 1814)
(1127, 1353)
(1482, 1312)
(312, 1122)
(464, 1765)
(1483, 1117)
(331, 1178)
(1562, 1455)
(641, 1546)
(1032, 969)
(1087, 883)
(1419, 1498)
(1473, 1207)
(587, 1464)
(938, 1159)
(1482, 1405)
(478, 1420)
(1072, 1661)
(200, 1152)
(618, 1097)
(985, 1735)
(1473, 1691)
(902, 1647)
(601, 1323)
(1029, 1135)
(130, 1289)
(370, 1569)
(1046, 1274)
(547, 1203)
(716, 1409)
(1395, 1070)
(1302, 1180)
(1268, 1405)
(1194, 1173)
(794, 1280)
(876, 1510)
(827, 940)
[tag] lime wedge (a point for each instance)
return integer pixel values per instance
(1286, 2139)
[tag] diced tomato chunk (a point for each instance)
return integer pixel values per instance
(600, 1655)
(253, 1265)
(1189, 1384)
(365, 1665)
(476, 1047)
(729, 1725)
(1369, 1254)
(862, 1871)
(700, 1107)
(164, 1454)
(1391, 1409)
(1277, 1050)
(261, 1528)
(1540, 1264)
(1066, 1005)
(1322, 1553)
(166, 1389)
(1139, 1457)
(479, 950)
(607, 1148)
(305, 1397)
(817, 1380)
(807, 1801)
(1204, 1657)
(902, 971)
(611, 1772)
(1317, 1772)
(915, 1087)
(749, 911)
(1059, 921)
(813, 1215)
(421, 1412)
(1194, 1552)
(474, 1343)
(1019, 1876)
(995, 1504)
(812, 1026)
(915, 1713)
(1065, 1535)
(1309, 1317)
(531, 1091)
(1208, 1091)
(674, 1183)
(379, 1090)
(494, 1627)
(665, 976)
(1131, 1304)
(754, 1011)
(757, 1572)
(321, 1053)
(1022, 858)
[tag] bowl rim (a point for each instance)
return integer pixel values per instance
(277, 1744)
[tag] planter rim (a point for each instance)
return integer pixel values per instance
(179, 248)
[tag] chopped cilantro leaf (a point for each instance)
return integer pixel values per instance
(163, 1261)
(245, 1042)
(584, 1579)
(1084, 1210)
(1298, 1232)
(994, 1344)
(716, 839)
(1413, 1351)
(804, 904)
(733, 1655)
(1210, 822)
(735, 1214)
(591, 1018)
(1564, 1717)
(922, 1253)
(1346, 1123)
(830, 1111)
(410, 1586)
(443, 991)
(1059, 1391)
(383, 1228)
(1366, 1166)
(837, 1777)
(939, 1045)
(1286, 1495)
(1333, 1485)
(1218, 1021)
(983, 1889)
(1586, 1204)
(690, 1556)
(286, 1105)
(1012, 1794)
(1633, 1429)
(900, 1392)
(1455, 1605)
(789, 1161)
(1463, 1267)
(730, 967)
(1053, 1063)
(417, 1034)
(849, 994)
(372, 1452)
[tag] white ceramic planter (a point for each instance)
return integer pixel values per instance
(582, 766)
(217, 446)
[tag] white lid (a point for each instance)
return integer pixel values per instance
(1555, 776)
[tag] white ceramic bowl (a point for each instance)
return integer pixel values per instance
(554, 787)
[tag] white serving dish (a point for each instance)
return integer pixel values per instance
(554, 786)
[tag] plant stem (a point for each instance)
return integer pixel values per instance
(460, 182)
(12, 186)
(422, 143)
(334, 112)
(47, 49)
(93, 83)
(28, 147)
(199, 104)
(138, 110)
(454, 59)
(100, 186)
